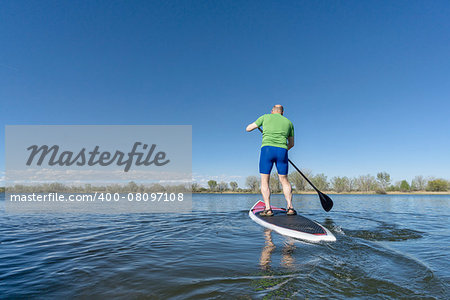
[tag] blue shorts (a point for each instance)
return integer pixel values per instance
(270, 155)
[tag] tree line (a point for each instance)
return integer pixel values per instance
(381, 184)
(130, 187)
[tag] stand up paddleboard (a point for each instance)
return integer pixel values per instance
(295, 226)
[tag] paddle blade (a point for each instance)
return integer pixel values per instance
(326, 202)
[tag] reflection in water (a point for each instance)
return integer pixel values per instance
(266, 253)
(287, 260)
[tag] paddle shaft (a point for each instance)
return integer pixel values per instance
(306, 178)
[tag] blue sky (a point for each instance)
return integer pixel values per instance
(366, 83)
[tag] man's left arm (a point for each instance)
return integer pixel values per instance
(251, 127)
(255, 124)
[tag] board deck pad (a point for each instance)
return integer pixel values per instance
(296, 222)
(295, 226)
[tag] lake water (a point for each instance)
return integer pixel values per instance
(387, 247)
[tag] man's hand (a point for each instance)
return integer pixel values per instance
(251, 127)
(290, 143)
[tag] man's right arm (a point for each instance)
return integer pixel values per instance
(290, 138)
(290, 143)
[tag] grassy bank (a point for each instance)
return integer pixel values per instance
(332, 193)
(2, 190)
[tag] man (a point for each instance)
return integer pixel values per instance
(278, 138)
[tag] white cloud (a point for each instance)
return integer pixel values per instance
(203, 179)
(30, 176)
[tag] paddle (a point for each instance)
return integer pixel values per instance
(326, 201)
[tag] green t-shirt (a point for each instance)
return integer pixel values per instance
(276, 130)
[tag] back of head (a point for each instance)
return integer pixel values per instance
(277, 109)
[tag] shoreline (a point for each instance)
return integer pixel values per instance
(333, 193)
(2, 191)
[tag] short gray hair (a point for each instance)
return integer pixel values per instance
(278, 108)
